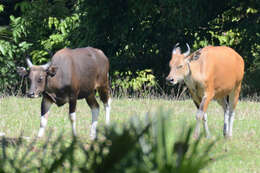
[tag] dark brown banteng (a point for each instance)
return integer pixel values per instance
(209, 73)
(72, 74)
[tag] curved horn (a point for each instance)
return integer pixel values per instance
(176, 45)
(29, 63)
(176, 48)
(46, 66)
(188, 51)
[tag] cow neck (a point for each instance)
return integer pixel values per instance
(189, 74)
(50, 95)
(188, 79)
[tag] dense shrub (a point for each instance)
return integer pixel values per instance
(135, 35)
(141, 83)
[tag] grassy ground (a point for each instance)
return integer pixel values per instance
(241, 153)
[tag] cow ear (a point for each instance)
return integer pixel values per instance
(51, 71)
(22, 71)
(193, 57)
(188, 59)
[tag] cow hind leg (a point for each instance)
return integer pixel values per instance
(93, 104)
(224, 102)
(105, 98)
(72, 115)
(45, 107)
(233, 99)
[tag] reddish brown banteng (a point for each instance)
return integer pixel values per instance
(209, 73)
(72, 74)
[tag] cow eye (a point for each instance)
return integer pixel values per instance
(179, 66)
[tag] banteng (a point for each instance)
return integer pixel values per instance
(72, 74)
(209, 73)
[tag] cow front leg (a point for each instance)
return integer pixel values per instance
(201, 115)
(45, 107)
(205, 124)
(72, 115)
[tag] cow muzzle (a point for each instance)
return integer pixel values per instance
(32, 95)
(170, 81)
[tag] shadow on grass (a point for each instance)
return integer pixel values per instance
(13, 141)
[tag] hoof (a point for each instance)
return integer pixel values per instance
(227, 137)
(92, 138)
(195, 136)
(93, 135)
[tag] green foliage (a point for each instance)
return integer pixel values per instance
(140, 82)
(237, 27)
(46, 25)
(39, 32)
(8, 63)
(138, 35)
(135, 35)
(1, 8)
(135, 146)
(5, 64)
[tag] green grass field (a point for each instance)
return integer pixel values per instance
(240, 154)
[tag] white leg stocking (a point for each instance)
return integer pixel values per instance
(73, 123)
(107, 110)
(95, 112)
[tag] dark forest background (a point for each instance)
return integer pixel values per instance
(137, 36)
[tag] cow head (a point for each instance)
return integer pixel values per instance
(179, 67)
(37, 75)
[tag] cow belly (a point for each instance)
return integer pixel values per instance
(223, 89)
(222, 93)
(84, 94)
(60, 101)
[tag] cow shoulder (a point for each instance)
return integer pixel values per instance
(63, 51)
(98, 51)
